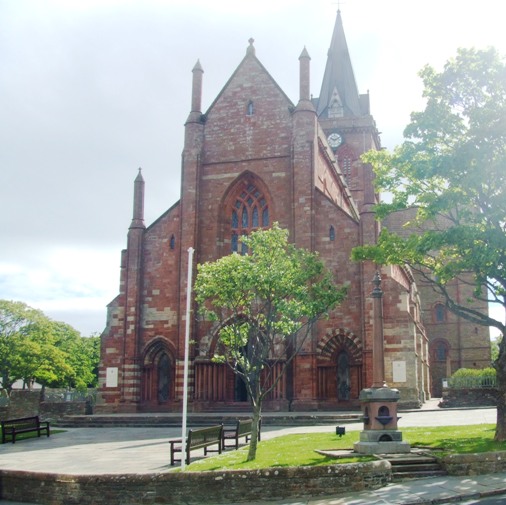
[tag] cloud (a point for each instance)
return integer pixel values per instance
(90, 90)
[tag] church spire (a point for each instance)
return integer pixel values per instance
(339, 95)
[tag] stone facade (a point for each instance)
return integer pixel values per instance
(252, 159)
(454, 342)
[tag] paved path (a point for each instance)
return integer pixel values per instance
(145, 450)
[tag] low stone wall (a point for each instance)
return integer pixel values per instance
(26, 403)
(178, 488)
(475, 464)
(53, 411)
(22, 403)
(474, 397)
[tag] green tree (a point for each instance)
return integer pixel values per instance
(21, 327)
(34, 348)
(450, 172)
(264, 304)
(82, 355)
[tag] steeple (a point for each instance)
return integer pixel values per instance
(339, 95)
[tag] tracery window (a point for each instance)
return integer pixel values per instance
(250, 212)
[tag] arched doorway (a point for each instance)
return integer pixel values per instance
(440, 365)
(339, 369)
(158, 376)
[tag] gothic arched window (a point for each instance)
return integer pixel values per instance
(440, 350)
(250, 212)
(439, 313)
(332, 233)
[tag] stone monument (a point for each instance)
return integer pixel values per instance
(379, 402)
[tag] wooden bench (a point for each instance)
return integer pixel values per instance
(241, 429)
(13, 427)
(198, 438)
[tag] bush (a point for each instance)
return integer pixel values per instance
(471, 377)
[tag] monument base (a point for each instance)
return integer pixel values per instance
(393, 447)
(381, 442)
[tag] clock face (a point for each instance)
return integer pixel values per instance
(335, 140)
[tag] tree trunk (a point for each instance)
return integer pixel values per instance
(257, 412)
(500, 368)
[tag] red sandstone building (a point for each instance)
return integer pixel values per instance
(252, 158)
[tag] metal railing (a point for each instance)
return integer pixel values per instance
(470, 382)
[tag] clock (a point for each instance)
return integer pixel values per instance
(335, 140)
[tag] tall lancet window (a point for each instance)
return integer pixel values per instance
(250, 212)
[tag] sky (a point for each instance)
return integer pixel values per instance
(91, 90)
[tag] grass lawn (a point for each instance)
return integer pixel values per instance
(24, 436)
(299, 449)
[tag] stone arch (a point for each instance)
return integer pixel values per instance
(158, 372)
(339, 366)
(333, 341)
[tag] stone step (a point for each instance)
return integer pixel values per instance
(396, 477)
(418, 460)
(422, 467)
(415, 465)
(174, 419)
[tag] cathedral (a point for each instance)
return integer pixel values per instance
(253, 158)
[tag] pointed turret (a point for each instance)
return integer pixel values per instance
(304, 60)
(196, 108)
(138, 215)
(339, 95)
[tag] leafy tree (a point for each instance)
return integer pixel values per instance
(264, 305)
(82, 355)
(450, 173)
(34, 348)
(21, 328)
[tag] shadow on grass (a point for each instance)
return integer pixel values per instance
(457, 442)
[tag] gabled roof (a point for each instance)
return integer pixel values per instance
(339, 79)
(250, 54)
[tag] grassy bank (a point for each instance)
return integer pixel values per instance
(300, 449)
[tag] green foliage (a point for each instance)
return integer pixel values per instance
(473, 378)
(34, 348)
(451, 173)
(473, 372)
(494, 349)
(263, 305)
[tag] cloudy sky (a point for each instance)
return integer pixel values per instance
(90, 90)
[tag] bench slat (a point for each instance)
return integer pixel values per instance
(198, 438)
(12, 427)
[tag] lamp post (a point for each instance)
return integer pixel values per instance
(186, 351)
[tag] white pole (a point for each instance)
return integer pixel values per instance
(186, 351)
